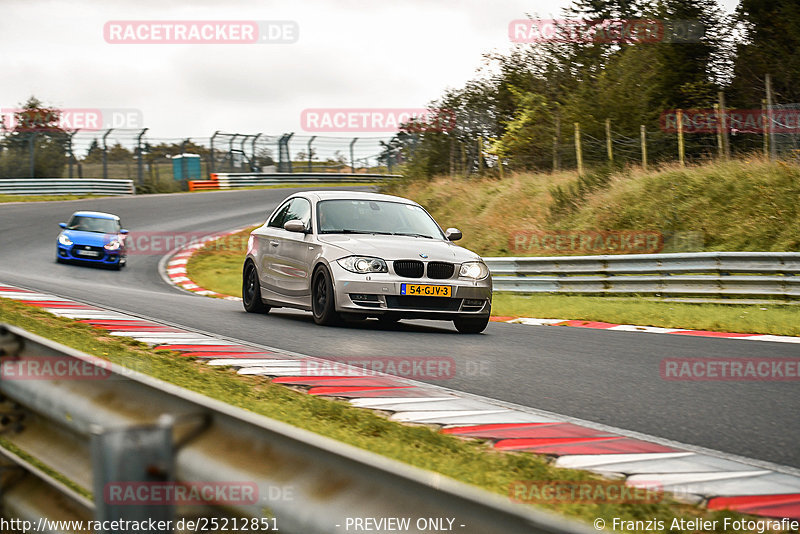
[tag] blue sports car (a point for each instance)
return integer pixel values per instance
(92, 237)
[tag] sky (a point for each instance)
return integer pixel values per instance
(347, 54)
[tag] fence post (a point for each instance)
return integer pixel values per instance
(680, 138)
(105, 153)
(773, 150)
(352, 159)
(32, 155)
(71, 151)
(643, 136)
(609, 146)
(764, 129)
(557, 142)
(480, 154)
(212, 163)
(309, 151)
(254, 167)
(140, 163)
(726, 147)
(720, 151)
(230, 151)
(578, 150)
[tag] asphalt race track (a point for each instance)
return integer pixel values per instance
(602, 376)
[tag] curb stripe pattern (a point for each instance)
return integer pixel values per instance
(177, 276)
(650, 329)
(700, 478)
(175, 269)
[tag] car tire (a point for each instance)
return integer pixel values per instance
(323, 300)
(251, 290)
(471, 325)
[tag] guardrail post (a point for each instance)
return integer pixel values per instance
(105, 153)
(352, 159)
(140, 162)
(131, 463)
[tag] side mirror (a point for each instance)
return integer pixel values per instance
(453, 234)
(123, 232)
(295, 225)
(62, 225)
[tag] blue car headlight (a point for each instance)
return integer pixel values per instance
(112, 245)
(64, 240)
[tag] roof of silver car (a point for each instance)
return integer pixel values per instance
(354, 195)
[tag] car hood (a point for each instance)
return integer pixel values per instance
(394, 247)
(93, 239)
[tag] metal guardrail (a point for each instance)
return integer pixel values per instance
(66, 186)
(703, 273)
(237, 180)
(127, 426)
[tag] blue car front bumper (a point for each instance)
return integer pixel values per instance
(88, 254)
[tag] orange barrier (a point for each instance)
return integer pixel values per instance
(204, 185)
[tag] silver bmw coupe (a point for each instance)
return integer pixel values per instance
(349, 255)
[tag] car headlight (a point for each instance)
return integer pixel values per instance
(64, 240)
(474, 269)
(363, 264)
(112, 245)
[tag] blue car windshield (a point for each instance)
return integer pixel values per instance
(93, 224)
(375, 217)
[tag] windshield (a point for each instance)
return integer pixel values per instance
(93, 224)
(375, 217)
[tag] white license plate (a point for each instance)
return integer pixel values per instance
(92, 253)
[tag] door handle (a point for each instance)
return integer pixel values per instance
(274, 243)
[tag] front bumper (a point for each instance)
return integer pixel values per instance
(380, 293)
(105, 257)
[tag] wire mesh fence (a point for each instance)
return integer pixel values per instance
(165, 164)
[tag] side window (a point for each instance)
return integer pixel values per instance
(299, 209)
(280, 216)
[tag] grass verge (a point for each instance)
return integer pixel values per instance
(218, 267)
(778, 319)
(742, 205)
(470, 461)
(43, 198)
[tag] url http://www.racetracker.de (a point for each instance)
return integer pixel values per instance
(263, 524)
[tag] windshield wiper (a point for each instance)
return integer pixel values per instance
(414, 235)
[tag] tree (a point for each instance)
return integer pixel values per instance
(35, 131)
(769, 44)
